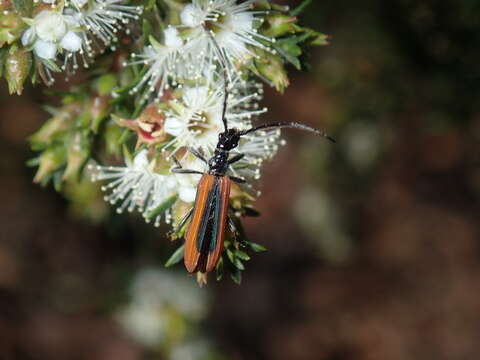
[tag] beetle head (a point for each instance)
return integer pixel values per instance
(228, 140)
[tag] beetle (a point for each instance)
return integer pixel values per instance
(205, 234)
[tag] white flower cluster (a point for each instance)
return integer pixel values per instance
(138, 187)
(159, 302)
(76, 30)
(214, 40)
(211, 31)
(195, 120)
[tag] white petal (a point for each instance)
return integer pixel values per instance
(44, 49)
(192, 15)
(72, 19)
(28, 37)
(80, 3)
(50, 25)
(187, 193)
(141, 160)
(171, 37)
(174, 127)
(71, 42)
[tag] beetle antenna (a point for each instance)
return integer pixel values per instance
(225, 77)
(294, 125)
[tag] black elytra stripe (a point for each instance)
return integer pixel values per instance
(208, 216)
(209, 226)
(216, 219)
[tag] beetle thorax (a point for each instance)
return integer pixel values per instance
(218, 163)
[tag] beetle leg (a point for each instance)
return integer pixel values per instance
(236, 234)
(237, 179)
(198, 154)
(185, 171)
(184, 220)
(233, 227)
(236, 158)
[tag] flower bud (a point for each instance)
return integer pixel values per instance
(280, 25)
(58, 123)
(112, 136)
(99, 110)
(11, 27)
(17, 67)
(50, 160)
(272, 68)
(77, 154)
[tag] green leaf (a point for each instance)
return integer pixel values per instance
(219, 272)
(106, 83)
(33, 162)
(257, 247)
(237, 277)
(147, 28)
(231, 256)
(57, 180)
(3, 55)
(125, 135)
(155, 43)
(239, 265)
(126, 153)
(162, 207)
(23, 7)
(242, 255)
(176, 257)
(300, 8)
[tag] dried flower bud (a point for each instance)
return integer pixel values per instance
(148, 126)
(5, 4)
(17, 67)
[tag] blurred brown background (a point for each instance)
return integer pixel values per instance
(373, 242)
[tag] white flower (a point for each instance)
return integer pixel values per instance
(231, 25)
(196, 119)
(49, 25)
(71, 42)
(170, 60)
(257, 147)
(137, 187)
(211, 30)
(174, 126)
(44, 49)
(192, 15)
(104, 18)
(159, 301)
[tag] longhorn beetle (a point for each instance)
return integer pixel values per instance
(206, 232)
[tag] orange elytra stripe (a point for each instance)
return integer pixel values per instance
(191, 254)
(222, 222)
